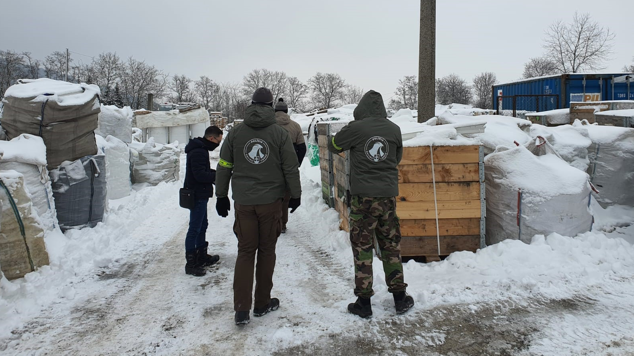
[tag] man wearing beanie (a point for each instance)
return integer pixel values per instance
(376, 148)
(295, 131)
(259, 160)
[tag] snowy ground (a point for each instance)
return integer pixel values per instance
(121, 289)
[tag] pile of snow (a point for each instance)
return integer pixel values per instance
(154, 163)
(550, 117)
(533, 194)
(117, 166)
(442, 135)
(611, 163)
(308, 121)
(115, 122)
(26, 154)
(44, 89)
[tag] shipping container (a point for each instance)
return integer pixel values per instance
(557, 91)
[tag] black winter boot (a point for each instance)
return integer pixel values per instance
(274, 304)
(362, 307)
(242, 318)
(193, 267)
(402, 302)
(204, 259)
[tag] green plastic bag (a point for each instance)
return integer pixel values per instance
(313, 151)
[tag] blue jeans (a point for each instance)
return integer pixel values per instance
(197, 226)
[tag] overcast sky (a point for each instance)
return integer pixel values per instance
(370, 43)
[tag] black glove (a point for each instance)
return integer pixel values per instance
(223, 206)
(294, 203)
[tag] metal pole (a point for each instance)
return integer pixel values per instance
(612, 87)
(427, 61)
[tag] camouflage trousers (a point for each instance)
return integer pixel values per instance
(370, 217)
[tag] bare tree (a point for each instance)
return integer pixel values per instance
(206, 90)
(139, 79)
(277, 82)
(482, 86)
(32, 66)
(583, 44)
(326, 88)
(296, 93)
(106, 70)
(181, 86)
(351, 94)
(452, 89)
(11, 69)
(406, 94)
(55, 65)
(231, 101)
(630, 68)
(539, 67)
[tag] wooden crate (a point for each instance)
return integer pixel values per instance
(459, 202)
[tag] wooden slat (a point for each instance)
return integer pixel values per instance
(442, 155)
(412, 192)
(428, 246)
(467, 209)
(322, 141)
(448, 227)
(461, 172)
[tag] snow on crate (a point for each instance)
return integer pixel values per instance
(26, 154)
(532, 191)
(65, 115)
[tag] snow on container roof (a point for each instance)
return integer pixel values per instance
(64, 93)
(147, 119)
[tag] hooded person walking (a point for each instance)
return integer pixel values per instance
(259, 159)
(376, 148)
(200, 178)
(295, 131)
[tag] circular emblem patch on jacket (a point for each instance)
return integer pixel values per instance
(376, 149)
(256, 151)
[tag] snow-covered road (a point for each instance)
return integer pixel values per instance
(556, 296)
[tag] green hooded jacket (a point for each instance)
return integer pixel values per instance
(259, 159)
(376, 148)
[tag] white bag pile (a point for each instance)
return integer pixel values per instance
(117, 166)
(115, 122)
(154, 163)
(531, 190)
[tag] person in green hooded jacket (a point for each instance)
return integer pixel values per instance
(259, 159)
(376, 148)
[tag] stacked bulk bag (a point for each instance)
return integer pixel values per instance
(65, 115)
(117, 166)
(154, 163)
(611, 167)
(531, 190)
(115, 122)
(80, 189)
(22, 248)
(571, 143)
(175, 125)
(26, 154)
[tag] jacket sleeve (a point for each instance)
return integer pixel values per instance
(290, 166)
(224, 170)
(300, 150)
(399, 148)
(199, 161)
(343, 140)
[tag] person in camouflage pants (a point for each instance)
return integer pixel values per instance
(370, 216)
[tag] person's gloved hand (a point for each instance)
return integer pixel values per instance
(294, 203)
(223, 206)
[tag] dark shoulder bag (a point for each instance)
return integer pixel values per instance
(187, 198)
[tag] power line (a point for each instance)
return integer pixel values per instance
(81, 54)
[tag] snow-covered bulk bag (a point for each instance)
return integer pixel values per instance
(571, 143)
(22, 248)
(115, 122)
(179, 133)
(80, 190)
(160, 134)
(26, 154)
(65, 115)
(529, 194)
(117, 166)
(611, 163)
(154, 163)
(198, 130)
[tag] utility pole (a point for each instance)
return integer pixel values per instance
(67, 60)
(427, 61)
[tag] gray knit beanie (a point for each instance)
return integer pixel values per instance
(262, 96)
(281, 106)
